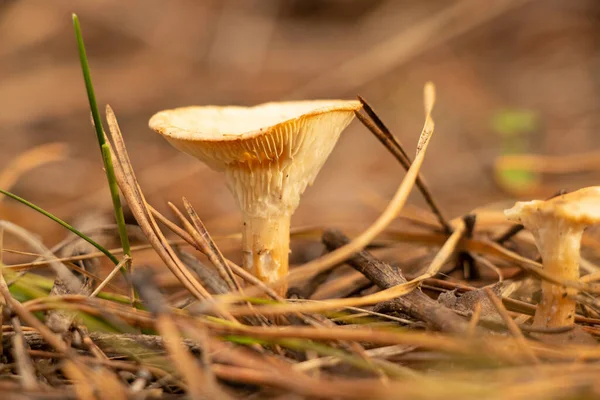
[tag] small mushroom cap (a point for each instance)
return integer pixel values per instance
(269, 152)
(580, 207)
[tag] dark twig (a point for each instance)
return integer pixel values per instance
(383, 134)
(510, 232)
(416, 303)
(385, 130)
(465, 260)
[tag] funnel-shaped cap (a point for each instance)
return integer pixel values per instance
(269, 152)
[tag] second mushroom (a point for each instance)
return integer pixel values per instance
(269, 154)
(557, 226)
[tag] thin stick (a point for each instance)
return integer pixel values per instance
(112, 274)
(510, 232)
(383, 134)
(92, 347)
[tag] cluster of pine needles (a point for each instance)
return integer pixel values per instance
(214, 331)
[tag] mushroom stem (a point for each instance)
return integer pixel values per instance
(559, 247)
(265, 245)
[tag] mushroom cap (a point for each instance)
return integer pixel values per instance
(222, 135)
(580, 207)
(269, 152)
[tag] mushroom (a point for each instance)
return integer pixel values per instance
(557, 226)
(269, 153)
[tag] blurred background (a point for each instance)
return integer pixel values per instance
(512, 77)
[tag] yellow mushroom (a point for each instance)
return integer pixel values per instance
(557, 226)
(269, 153)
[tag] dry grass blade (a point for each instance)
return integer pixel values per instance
(531, 266)
(360, 334)
(174, 228)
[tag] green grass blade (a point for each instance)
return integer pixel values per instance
(61, 222)
(89, 87)
(106, 158)
(114, 190)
